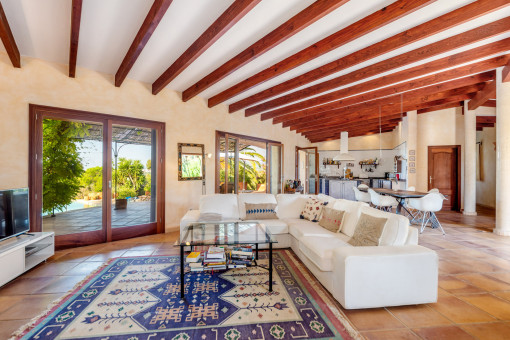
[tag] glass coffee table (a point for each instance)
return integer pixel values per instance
(227, 234)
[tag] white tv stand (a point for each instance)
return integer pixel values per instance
(22, 253)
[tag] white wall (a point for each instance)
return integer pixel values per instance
(486, 186)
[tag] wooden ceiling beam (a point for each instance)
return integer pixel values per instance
(441, 107)
(8, 39)
(417, 55)
(226, 21)
(490, 103)
(352, 133)
(384, 120)
(434, 26)
(75, 36)
(506, 73)
(488, 92)
(370, 23)
(372, 113)
(297, 23)
(429, 80)
(400, 99)
(485, 119)
(149, 25)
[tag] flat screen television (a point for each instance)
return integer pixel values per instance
(14, 216)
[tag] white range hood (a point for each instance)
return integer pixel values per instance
(344, 148)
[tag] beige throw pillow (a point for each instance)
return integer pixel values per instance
(332, 219)
(368, 231)
(260, 211)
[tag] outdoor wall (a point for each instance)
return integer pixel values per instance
(486, 184)
(43, 83)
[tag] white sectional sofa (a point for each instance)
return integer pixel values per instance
(397, 272)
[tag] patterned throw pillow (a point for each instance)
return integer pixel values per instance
(368, 231)
(260, 211)
(313, 209)
(332, 219)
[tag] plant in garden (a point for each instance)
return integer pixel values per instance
(62, 165)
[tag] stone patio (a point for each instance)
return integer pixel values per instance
(90, 219)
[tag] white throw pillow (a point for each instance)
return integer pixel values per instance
(312, 210)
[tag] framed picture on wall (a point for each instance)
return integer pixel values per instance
(412, 159)
(190, 161)
(411, 165)
(413, 170)
(412, 152)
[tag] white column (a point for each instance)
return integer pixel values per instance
(469, 161)
(412, 144)
(502, 156)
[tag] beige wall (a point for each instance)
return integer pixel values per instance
(486, 186)
(370, 142)
(43, 83)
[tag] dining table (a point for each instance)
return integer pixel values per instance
(400, 196)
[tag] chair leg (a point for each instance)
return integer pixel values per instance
(424, 221)
(438, 223)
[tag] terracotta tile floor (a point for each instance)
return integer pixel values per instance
(474, 284)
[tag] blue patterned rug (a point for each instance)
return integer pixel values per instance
(138, 298)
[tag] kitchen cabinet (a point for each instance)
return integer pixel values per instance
(342, 189)
(386, 184)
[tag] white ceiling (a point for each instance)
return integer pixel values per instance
(41, 29)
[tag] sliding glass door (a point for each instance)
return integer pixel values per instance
(307, 169)
(247, 164)
(95, 178)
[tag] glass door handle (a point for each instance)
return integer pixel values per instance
(109, 184)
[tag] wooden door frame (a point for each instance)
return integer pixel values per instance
(316, 164)
(459, 172)
(37, 113)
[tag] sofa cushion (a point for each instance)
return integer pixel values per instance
(290, 205)
(396, 229)
(276, 226)
(242, 199)
(260, 211)
(368, 231)
(331, 219)
(352, 212)
(313, 209)
(319, 250)
(326, 198)
(299, 228)
(224, 204)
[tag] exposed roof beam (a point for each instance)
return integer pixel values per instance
(488, 92)
(376, 108)
(149, 25)
(8, 39)
(374, 21)
(440, 107)
(486, 119)
(419, 54)
(219, 27)
(434, 26)
(415, 83)
(359, 123)
(300, 21)
(490, 103)
(352, 133)
(506, 73)
(75, 36)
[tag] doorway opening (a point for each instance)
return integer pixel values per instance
(307, 169)
(95, 178)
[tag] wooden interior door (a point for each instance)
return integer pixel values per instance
(444, 173)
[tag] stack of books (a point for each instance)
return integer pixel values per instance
(215, 259)
(240, 257)
(195, 261)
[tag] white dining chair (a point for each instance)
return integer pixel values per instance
(428, 205)
(361, 196)
(382, 202)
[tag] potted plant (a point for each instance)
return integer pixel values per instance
(122, 197)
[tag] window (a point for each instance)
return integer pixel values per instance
(248, 164)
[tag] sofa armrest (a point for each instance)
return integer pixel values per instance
(369, 277)
(412, 236)
(190, 217)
